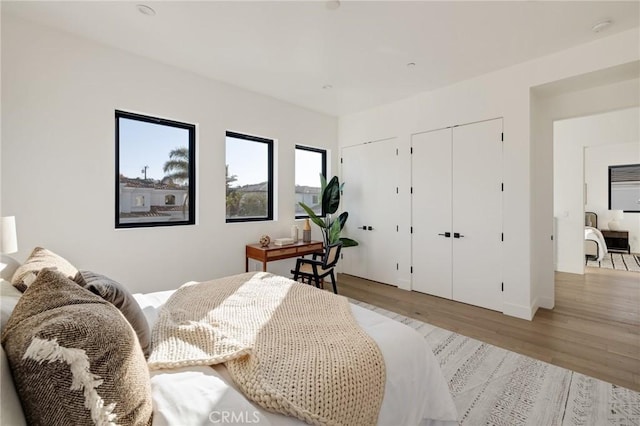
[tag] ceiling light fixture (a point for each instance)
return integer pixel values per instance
(601, 25)
(327, 87)
(145, 10)
(332, 4)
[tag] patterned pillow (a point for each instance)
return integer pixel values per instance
(39, 259)
(74, 357)
(116, 294)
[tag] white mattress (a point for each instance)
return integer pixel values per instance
(415, 390)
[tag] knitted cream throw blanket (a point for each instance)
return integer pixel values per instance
(291, 348)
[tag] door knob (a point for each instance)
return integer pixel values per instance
(446, 234)
(457, 235)
(370, 228)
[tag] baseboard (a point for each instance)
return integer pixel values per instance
(546, 302)
(519, 311)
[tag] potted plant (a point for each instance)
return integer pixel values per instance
(331, 228)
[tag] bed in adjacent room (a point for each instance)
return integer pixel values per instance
(412, 390)
(595, 247)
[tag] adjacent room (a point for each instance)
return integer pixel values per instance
(320, 212)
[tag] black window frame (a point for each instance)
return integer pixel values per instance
(191, 192)
(324, 173)
(609, 174)
(270, 143)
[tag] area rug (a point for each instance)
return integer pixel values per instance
(619, 261)
(494, 386)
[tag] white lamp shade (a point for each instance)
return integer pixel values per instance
(9, 238)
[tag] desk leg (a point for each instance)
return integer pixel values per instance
(264, 266)
(246, 264)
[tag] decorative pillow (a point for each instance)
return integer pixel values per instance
(39, 259)
(116, 294)
(74, 358)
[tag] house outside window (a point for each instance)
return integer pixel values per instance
(310, 164)
(249, 178)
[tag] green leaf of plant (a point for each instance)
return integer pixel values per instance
(334, 232)
(313, 216)
(331, 196)
(323, 184)
(348, 242)
(342, 219)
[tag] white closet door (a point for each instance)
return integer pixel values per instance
(369, 174)
(431, 213)
(477, 214)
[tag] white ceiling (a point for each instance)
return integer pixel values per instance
(290, 50)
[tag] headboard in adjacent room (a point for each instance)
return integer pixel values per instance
(590, 219)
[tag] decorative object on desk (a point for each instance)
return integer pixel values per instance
(294, 233)
(283, 241)
(306, 231)
(265, 240)
(330, 195)
(616, 216)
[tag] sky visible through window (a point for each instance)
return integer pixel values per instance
(147, 144)
(247, 160)
(308, 168)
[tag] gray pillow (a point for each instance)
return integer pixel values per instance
(74, 358)
(116, 294)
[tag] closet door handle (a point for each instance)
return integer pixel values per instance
(446, 234)
(370, 228)
(457, 235)
(363, 227)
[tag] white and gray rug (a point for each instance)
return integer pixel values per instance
(619, 261)
(494, 386)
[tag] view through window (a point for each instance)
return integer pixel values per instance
(155, 167)
(249, 178)
(310, 164)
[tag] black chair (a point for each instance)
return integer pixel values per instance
(315, 269)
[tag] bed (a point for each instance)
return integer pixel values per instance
(415, 391)
(595, 247)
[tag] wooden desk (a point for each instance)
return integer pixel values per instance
(272, 252)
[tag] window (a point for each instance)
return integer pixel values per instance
(154, 156)
(249, 178)
(310, 164)
(624, 188)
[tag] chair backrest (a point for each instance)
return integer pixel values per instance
(332, 255)
(590, 219)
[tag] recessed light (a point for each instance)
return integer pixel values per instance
(332, 4)
(411, 64)
(327, 87)
(145, 10)
(601, 25)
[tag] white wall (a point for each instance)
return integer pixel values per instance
(506, 94)
(604, 90)
(584, 148)
(58, 156)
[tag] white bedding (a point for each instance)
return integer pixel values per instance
(415, 390)
(594, 234)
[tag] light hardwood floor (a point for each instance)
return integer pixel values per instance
(593, 329)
